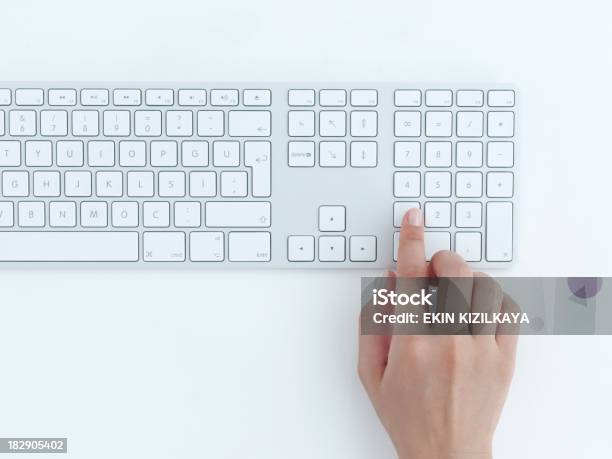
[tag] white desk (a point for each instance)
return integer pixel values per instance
(151, 360)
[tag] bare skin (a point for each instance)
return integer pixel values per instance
(440, 397)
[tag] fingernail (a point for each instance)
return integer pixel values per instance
(413, 217)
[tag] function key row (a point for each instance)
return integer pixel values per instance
(333, 97)
(134, 98)
(444, 98)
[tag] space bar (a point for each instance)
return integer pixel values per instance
(68, 246)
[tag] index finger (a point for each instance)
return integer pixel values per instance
(411, 252)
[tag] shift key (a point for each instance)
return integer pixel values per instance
(237, 214)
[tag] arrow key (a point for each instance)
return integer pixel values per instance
(300, 248)
(331, 248)
(362, 248)
(332, 218)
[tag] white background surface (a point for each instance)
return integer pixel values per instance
(262, 364)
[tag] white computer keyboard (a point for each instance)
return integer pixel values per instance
(253, 174)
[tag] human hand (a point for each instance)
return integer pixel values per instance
(440, 397)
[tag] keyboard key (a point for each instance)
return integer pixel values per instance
(206, 246)
(501, 98)
(407, 98)
(202, 184)
(438, 124)
(94, 97)
(438, 154)
(500, 124)
(140, 184)
(15, 184)
(171, 184)
(94, 214)
(164, 153)
(46, 183)
(38, 153)
(407, 124)
(469, 154)
(194, 154)
(234, 184)
(22, 123)
(257, 157)
(242, 123)
(332, 123)
(468, 215)
(364, 123)
(407, 154)
(364, 154)
(226, 154)
(332, 218)
(6, 214)
(159, 97)
(1, 123)
(436, 241)
(224, 97)
(332, 97)
(438, 98)
(301, 123)
(332, 154)
(133, 153)
(124, 214)
(500, 184)
(470, 124)
(257, 97)
(127, 97)
(249, 246)
(62, 97)
(148, 123)
(438, 214)
(500, 154)
(116, 123)
(364, 98)
(109, 184)
(54, 123)
(101, 153)
(210, 123)
(468, 245)
(407, 184)
(192, 97)
(156, 214)
(62, 214)
(470, 98)
(85, 123)
(468, 184)
(29, 97)
(400, 209)
(237, 214)
(499, 231)
(301, 97)
(179, 123)
(77, 183)
(362, 248)
(10, 153)
(68, 246)
(187, 214)
(438, 184)
(301, 248)
(163, 246)
(31, 214)
(331, 248)
(5, 97)
(301, 154)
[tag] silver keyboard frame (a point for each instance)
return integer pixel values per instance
(297, 192)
